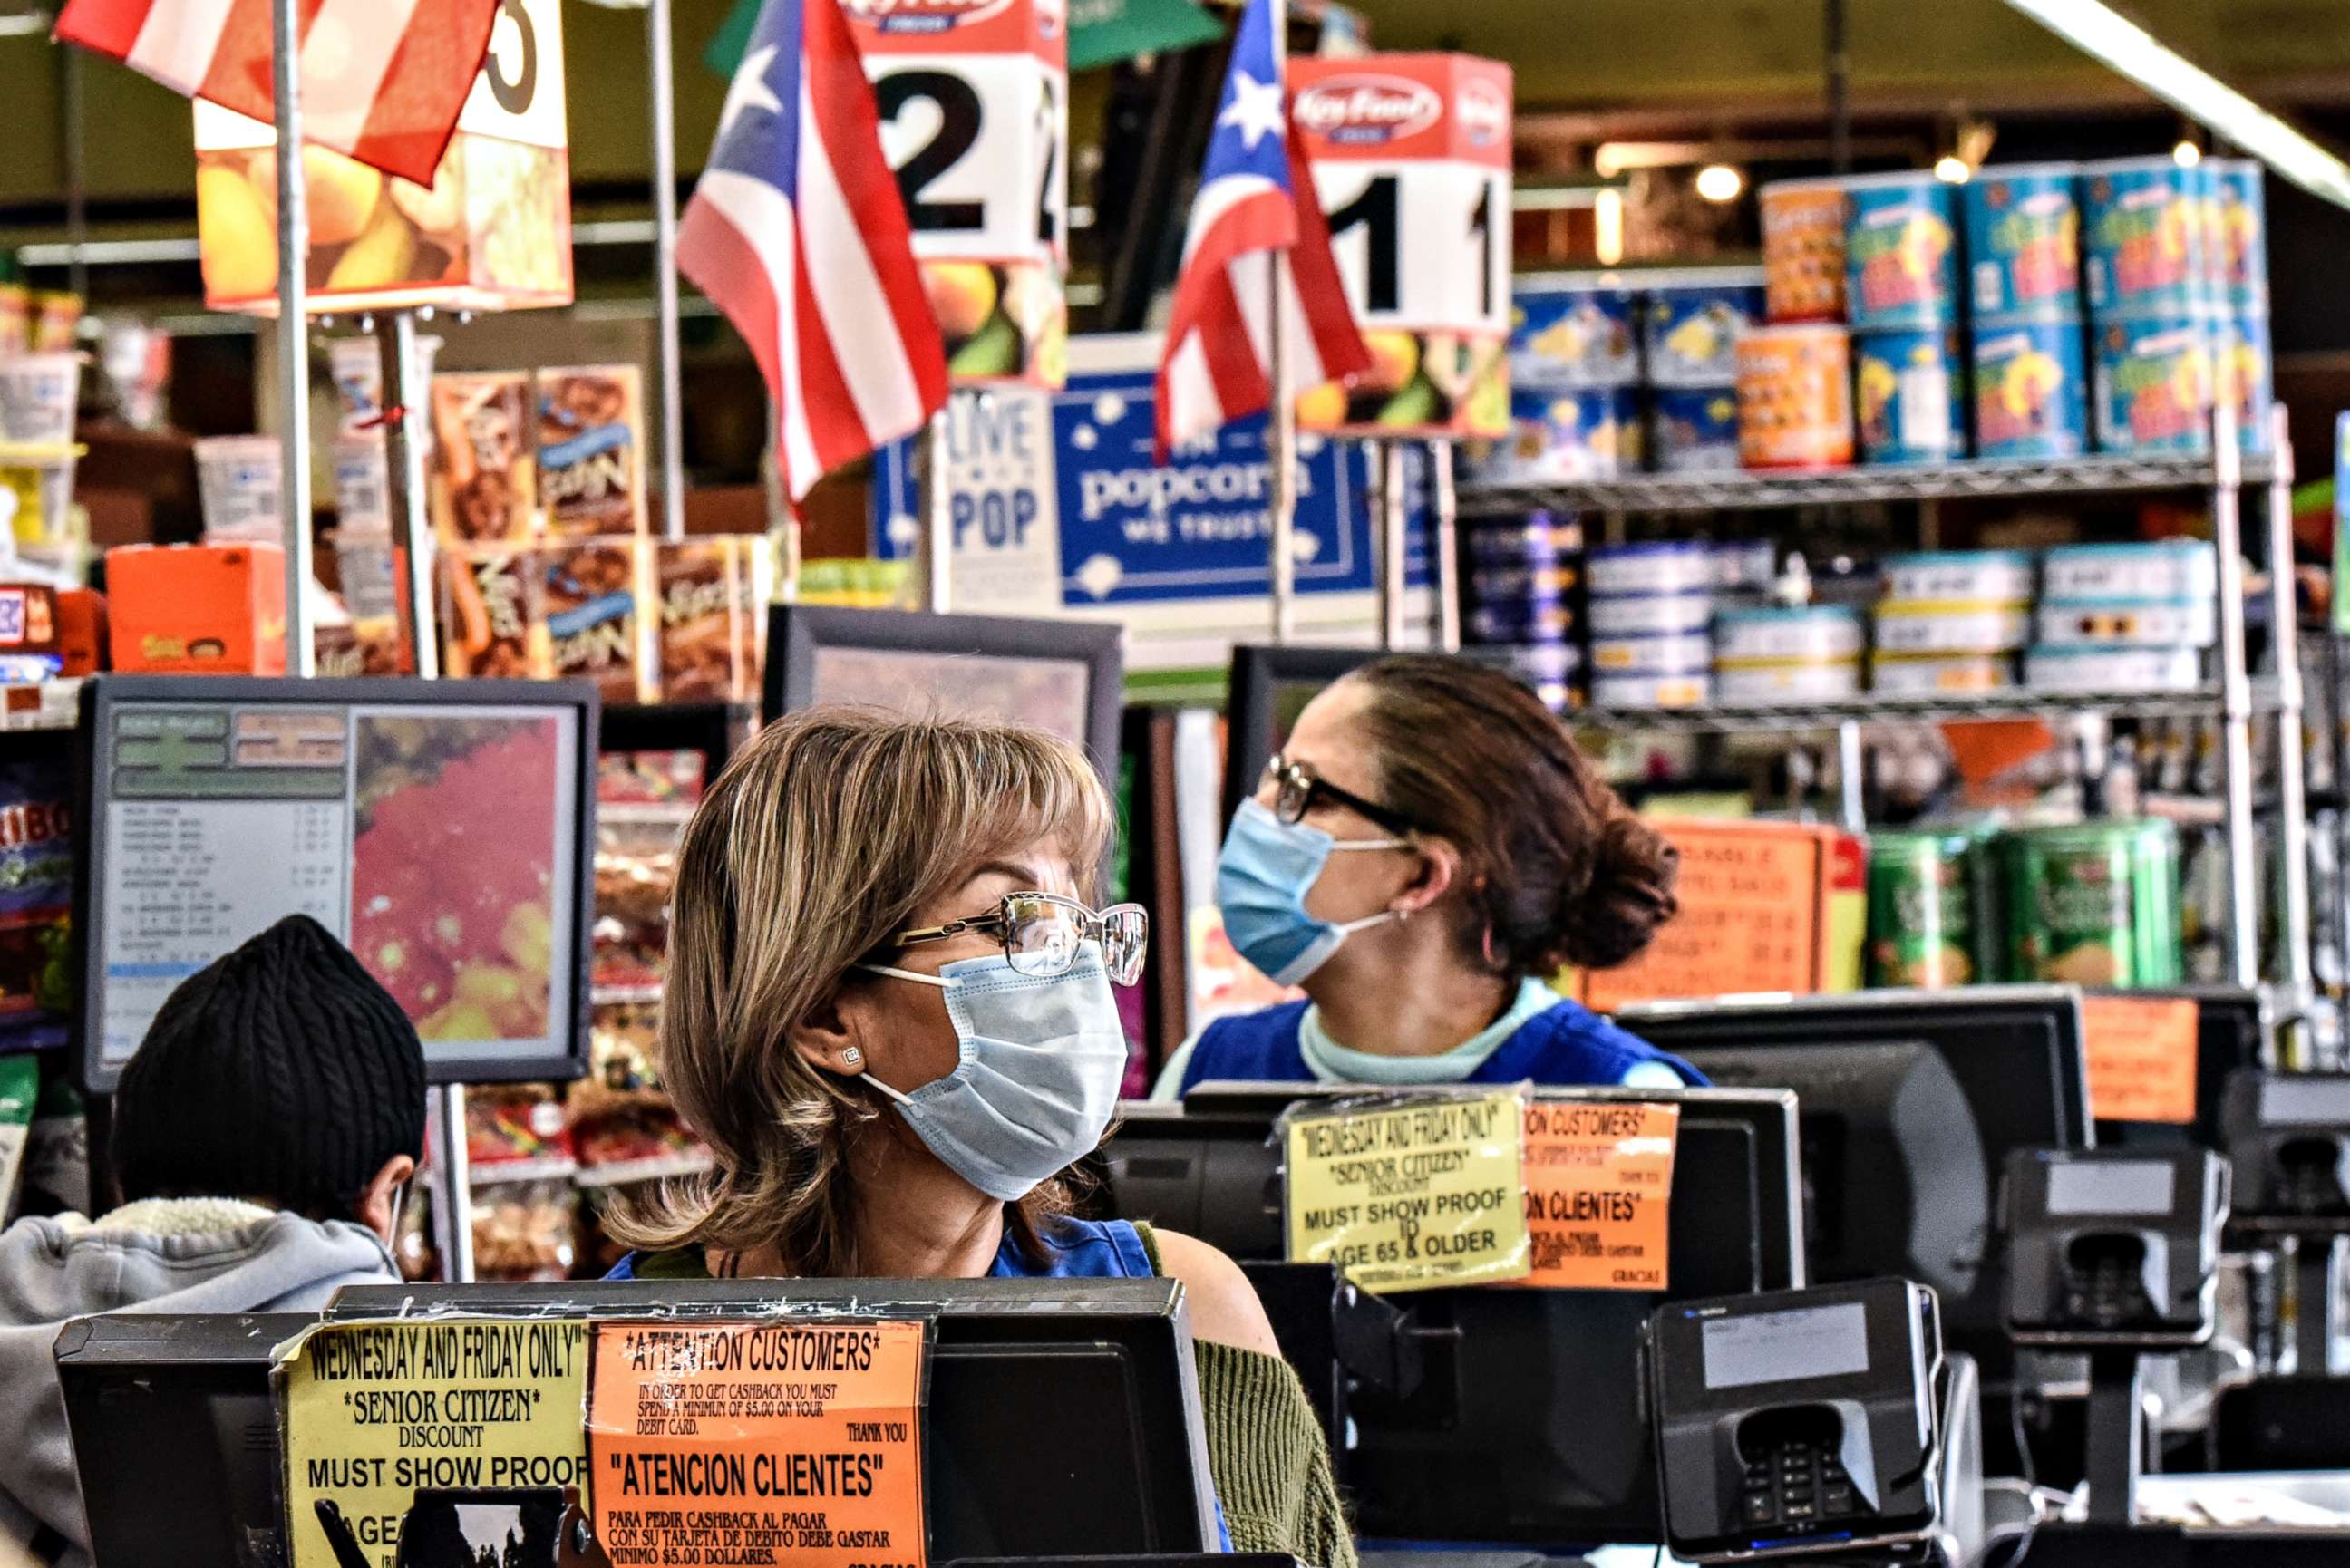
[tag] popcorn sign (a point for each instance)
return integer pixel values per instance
(973, 99)
(1411, 164)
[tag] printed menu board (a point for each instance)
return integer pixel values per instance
(437, 842)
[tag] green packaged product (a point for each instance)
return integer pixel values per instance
(2094, 904)
(1923, 928)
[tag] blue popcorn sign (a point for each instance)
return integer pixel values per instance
(1057, 508)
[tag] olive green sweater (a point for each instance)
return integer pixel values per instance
(1265, 1451)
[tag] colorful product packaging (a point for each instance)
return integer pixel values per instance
(1923, 927)
(2240, 254)
(38, 393)
(2142, 249)
(1649, 615)
(239, 478)
(2097, 668)
(81, 631)
(2023, 242)
(2243, 371)
(591, 450)
(2126, 574)
(1690, 320)
(493, 613)
(2031, 392)
(483, 481)
(1573, 329)
(1908, 626)
(1693, 430)
(197, 610)
(1909, 390)
(1901, 253)
(1803, 249)
(37, 878)
(2093, 903)
(1559, 433)
(596, 599)
(1657, 566)
(1939, 674)
(713, 595)
(1794, 398)
(1800, 634)
(2149, 623)
(1977, 576)
(2153, 383)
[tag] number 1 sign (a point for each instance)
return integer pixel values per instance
(1412, 163)
(973, 98)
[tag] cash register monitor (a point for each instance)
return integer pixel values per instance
(1063, 1414)
(1525, 1428)
(140, 1384)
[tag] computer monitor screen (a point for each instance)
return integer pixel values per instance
(2014, 1054)
(1061, 676)
(137, 1385)
(1063, 1414)
(439, 829)
(1525, 1428)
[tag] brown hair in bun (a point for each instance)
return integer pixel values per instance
(1556, 869)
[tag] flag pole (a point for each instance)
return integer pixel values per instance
(1281, 446)
(293, 332)
(659, 82)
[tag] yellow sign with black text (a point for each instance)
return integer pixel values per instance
(1412, 1196)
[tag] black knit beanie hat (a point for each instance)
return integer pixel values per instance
(281, 1073)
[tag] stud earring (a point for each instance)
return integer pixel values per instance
(851, 1056)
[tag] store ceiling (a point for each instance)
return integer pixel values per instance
(1731, 56)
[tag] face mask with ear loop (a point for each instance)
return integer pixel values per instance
(1263, 874)
(1043, 1059)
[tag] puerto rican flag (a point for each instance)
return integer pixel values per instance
(382, 80)
(1256, 199)
(797, 232)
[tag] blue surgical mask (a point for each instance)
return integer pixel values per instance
(1043, 1060)
(1262, 876)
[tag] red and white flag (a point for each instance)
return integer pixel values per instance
(1256, 198)
(796, 232)
(382, 80)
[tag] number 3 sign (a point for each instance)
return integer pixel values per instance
(973, 99)
(1412, 163)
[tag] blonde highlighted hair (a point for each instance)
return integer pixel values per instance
(821, 840)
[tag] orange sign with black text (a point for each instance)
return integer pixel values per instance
(1599, 1177)
(730, 1444)
(2141, 1053)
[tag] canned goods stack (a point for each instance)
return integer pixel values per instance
(2092, 903)
(1651, 607)
(1690, 322)
(1767, 654)
(1901, 296)
(2236, 229)
(1951, 621)
(2023, 248)
(2151, 299)
(2126, 617)
(1931, 922)
(1575, 371)
(1520, 586)
(1794, 376)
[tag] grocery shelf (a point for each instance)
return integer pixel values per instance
(1736, 491)
(623, 995)
(652, 1167)
(504, 1172)
(644, 814)
(2202, 703)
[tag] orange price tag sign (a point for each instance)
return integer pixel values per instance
(2141, 1058)
(728, 1445)
(1600, 1176)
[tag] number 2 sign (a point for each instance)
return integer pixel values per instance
(973, 95)
(1411, 164)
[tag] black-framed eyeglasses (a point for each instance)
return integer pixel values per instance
(1297, 788)
(1043, 932)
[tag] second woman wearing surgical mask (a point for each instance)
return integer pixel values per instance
(1427, 850)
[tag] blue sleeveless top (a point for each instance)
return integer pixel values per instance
(1564, 1045)
(1074, 1250)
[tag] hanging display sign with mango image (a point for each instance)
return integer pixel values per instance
(974, 102)
(493, 232)
(1411, 164)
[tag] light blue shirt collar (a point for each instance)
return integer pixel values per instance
(1331, 1063)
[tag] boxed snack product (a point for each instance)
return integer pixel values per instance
(595, 597)
(526, 1231)
(81, 631)
(493, 614)
(483, 481)
(216, 609)
(591, 450)
(635, 867)
(713, 595)
(37, 871)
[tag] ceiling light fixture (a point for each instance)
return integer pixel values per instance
(2187, 155)
(1952, 170)
(2104, 34)
(1720, 182)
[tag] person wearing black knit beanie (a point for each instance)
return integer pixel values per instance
(262, 1135)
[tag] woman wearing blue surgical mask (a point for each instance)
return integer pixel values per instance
(889, 1011)
(1426, 852)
